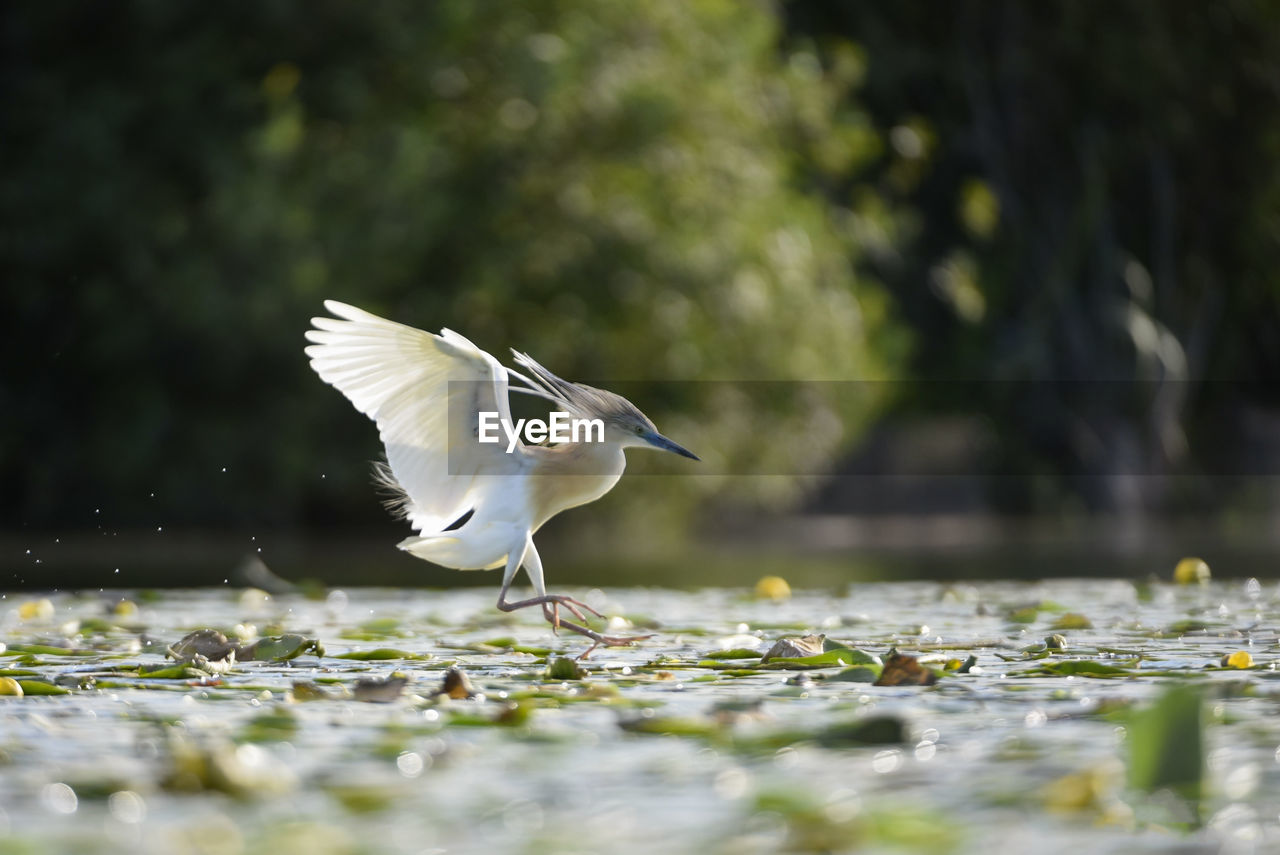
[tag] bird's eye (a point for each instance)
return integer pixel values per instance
(639, 429)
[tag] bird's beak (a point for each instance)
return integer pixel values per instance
(657, 440)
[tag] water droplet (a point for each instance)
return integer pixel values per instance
(887, 761)
(59, 798)
(411, 764)
(127, 807)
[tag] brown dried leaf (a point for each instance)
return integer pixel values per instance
(903, 670)
(457, 685)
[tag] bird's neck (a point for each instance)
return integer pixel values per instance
(572, 474)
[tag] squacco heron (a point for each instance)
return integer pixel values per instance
(476, 504)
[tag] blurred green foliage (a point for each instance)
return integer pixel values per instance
(625, 190)
(1085, 205)
(655, 192)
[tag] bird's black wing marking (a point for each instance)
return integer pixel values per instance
(460, 521)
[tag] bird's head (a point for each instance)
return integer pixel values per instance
(624, 424)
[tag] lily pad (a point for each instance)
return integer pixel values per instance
(795, 648)
(208, 644)
(280, 648)
(1083, 668)
(381, 653)
(840, 657)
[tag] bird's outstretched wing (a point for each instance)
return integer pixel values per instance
(425, 393)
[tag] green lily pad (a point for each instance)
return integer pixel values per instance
(1072, 620)
(565, 668)
(280, 648)
(857, 674)
(1166, 743)
(1083, 668)
(839, 657)
(735, 653)
(40, 687)
(381, 653)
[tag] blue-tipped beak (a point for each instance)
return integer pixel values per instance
(657, 440)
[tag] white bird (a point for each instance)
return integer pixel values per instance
(475, 504)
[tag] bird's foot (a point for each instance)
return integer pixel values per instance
(597, 638)
(551, 604)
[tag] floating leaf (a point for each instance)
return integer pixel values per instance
(306, 690)
(869, 730)
(40, 687)
(1083, 668)
(1087, 790)
(1166, 743)
(794, 648)
(280, 648)
(381, 653)
(1188, 626)
(857, 674)
(174, 672)
(1072, 620)
(387, 626)
(243, 771)
(670, 725)
(1024, 614)
(46, 650)
(278, 725)
(565, 668)
(735, 653)
(362, 798)
(208, 644)
(824, 654)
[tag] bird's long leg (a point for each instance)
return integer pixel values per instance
(551, 602)
(527, 555)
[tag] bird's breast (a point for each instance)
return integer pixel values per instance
(567, 476)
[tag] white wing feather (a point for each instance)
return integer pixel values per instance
(401, 378)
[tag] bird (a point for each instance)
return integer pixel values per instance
(476, 503)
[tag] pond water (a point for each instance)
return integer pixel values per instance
(660, 747)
